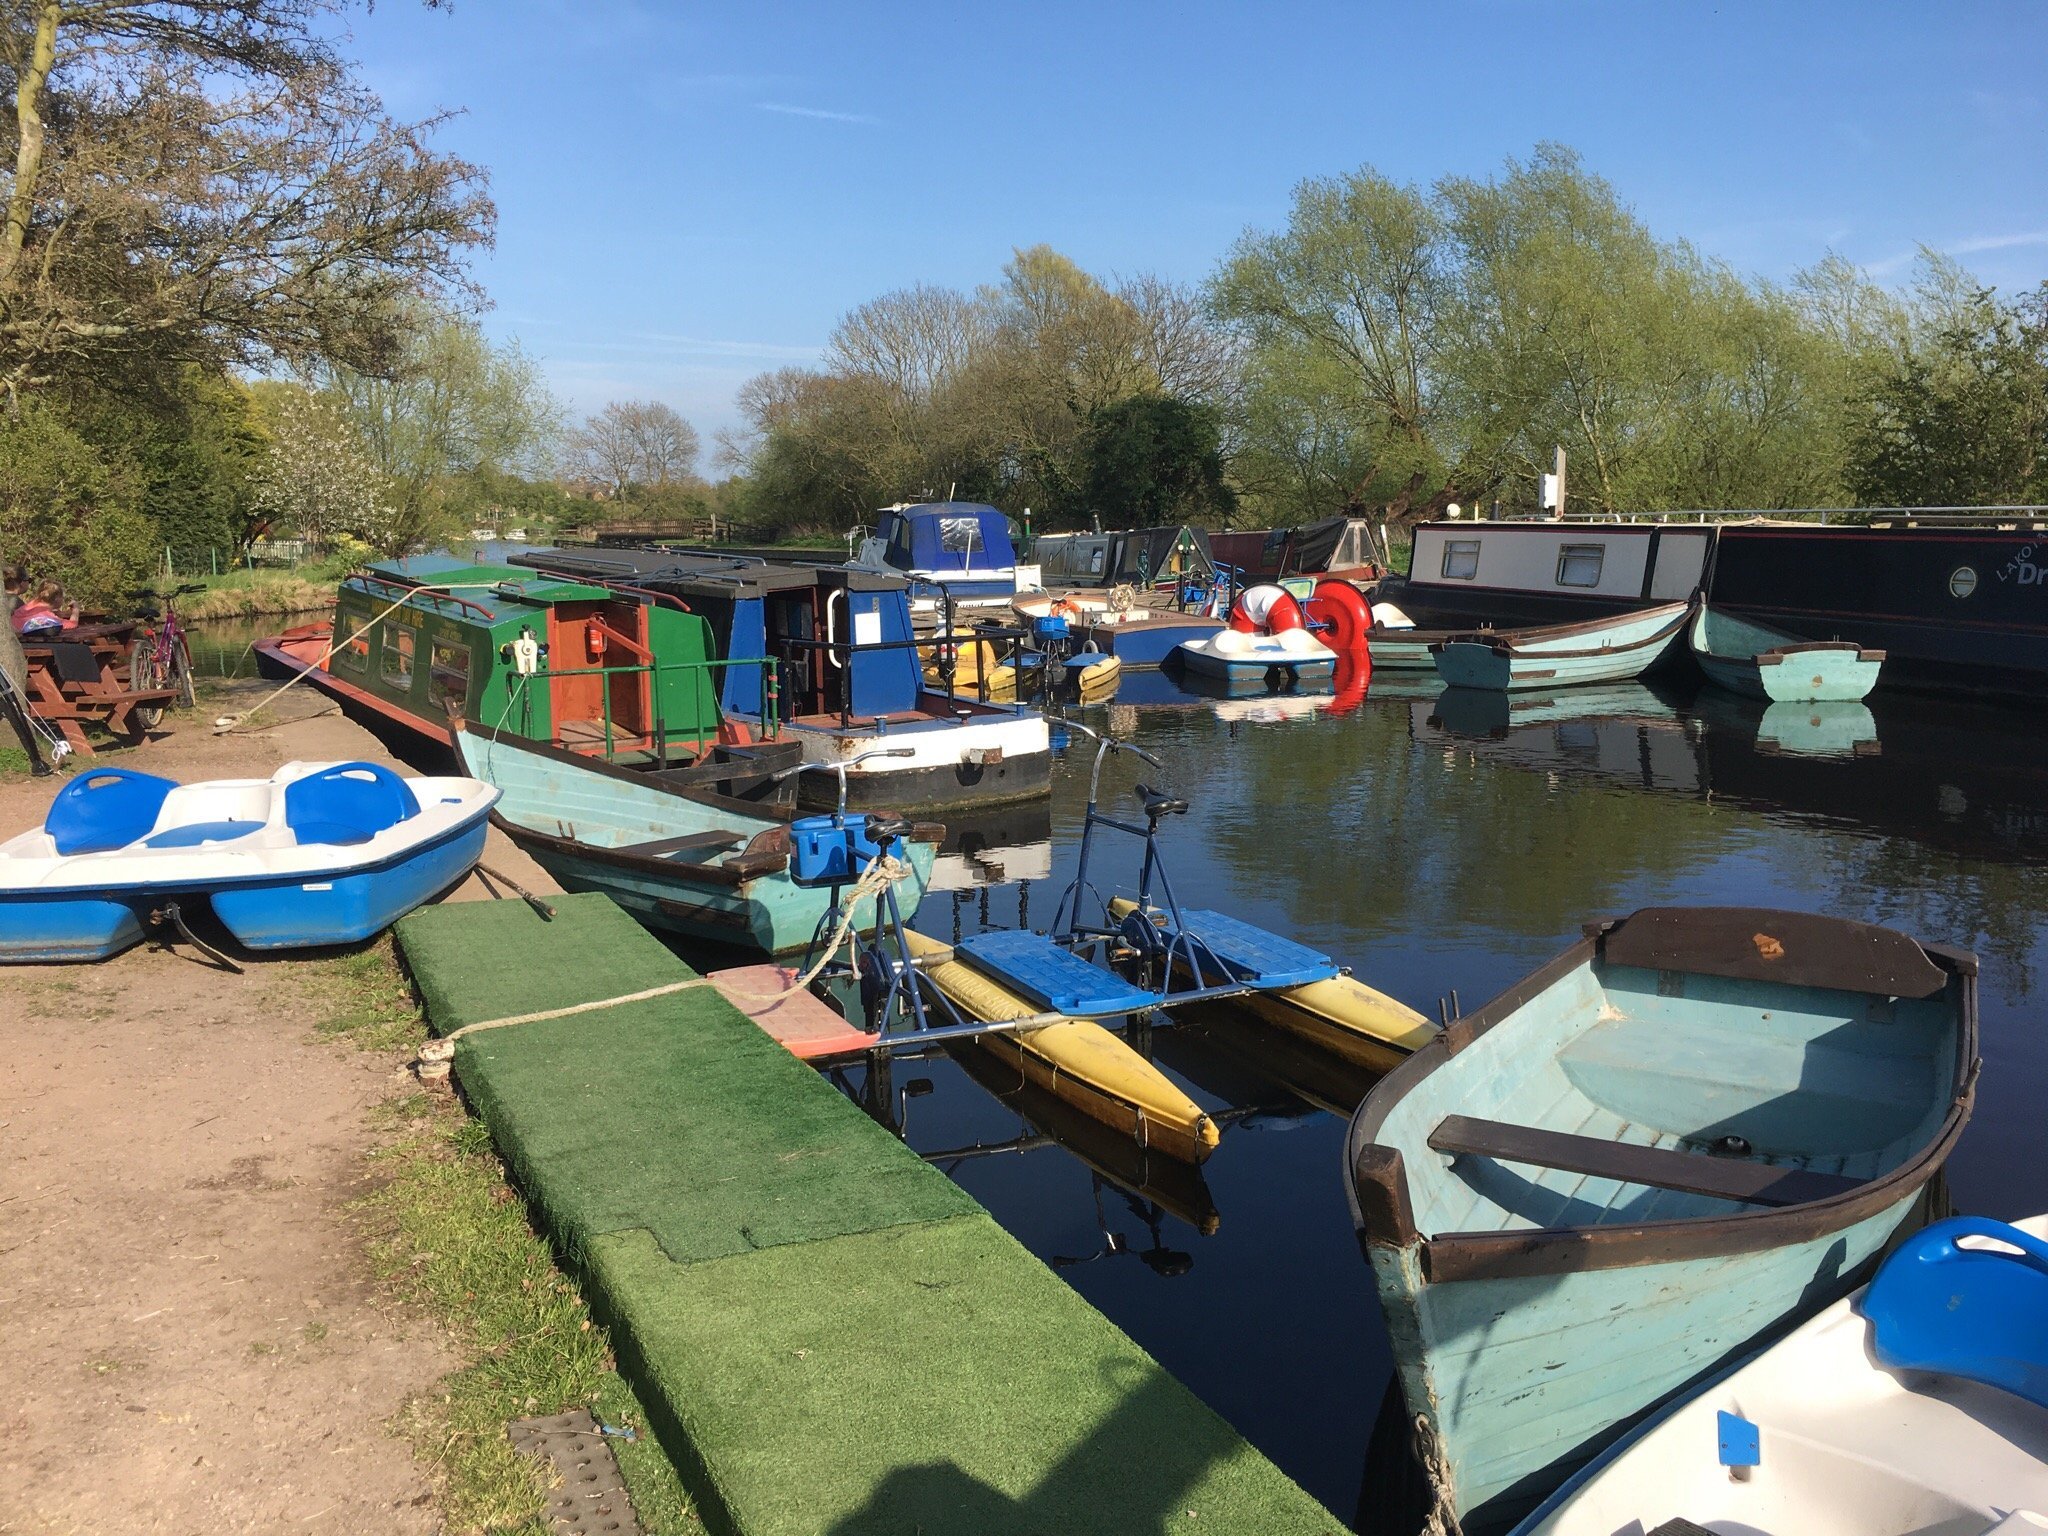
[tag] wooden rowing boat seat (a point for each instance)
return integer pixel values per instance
(704, 845)
(1697, 1173)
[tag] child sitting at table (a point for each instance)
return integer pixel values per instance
(47, 612)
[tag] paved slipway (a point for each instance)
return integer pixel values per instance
(191, 1340)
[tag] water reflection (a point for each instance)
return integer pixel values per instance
(1434, 842)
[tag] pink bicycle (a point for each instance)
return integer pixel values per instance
(160, 658)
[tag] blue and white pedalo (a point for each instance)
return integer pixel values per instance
(319, 853)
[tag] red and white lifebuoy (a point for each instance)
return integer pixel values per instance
(1266, 610)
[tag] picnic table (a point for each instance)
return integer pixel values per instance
(81, 674)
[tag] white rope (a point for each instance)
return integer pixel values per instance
(1443, 1514)
(880, 874)
(230, 723)
(443, 1049)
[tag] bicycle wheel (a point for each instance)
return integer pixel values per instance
(146, 675)
(181, 673)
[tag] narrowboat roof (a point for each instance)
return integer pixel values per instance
(703, 573)
(489, 592)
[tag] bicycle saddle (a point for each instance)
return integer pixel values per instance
(1157, 804)
(887, 829)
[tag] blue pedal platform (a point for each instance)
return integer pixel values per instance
(1253, 955)
(1056, 979)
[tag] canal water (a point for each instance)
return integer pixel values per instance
(1452, 844)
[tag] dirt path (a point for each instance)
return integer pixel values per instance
(191, 1340)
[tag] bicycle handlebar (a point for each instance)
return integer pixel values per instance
(1109, 744)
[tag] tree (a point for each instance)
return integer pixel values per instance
(70, 512)
(1962, 418)
(1155, 460)
(204, 182)
(636, 442)
(451, 405)
(315, 480)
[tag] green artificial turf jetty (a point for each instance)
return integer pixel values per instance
(933, 1379)
(677, 1115)
(830, 1336)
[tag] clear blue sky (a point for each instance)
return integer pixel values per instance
(690, 194)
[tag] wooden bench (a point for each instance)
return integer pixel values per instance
(68, 701)
(706, 843)
(1696, 1173)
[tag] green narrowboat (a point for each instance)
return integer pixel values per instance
(624, 675)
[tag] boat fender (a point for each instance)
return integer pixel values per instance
(1340, 614)
(1266, 609)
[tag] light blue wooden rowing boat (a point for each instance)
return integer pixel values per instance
(1607, 650)
(1747, 657)
(681, 860)
(1689, 1128)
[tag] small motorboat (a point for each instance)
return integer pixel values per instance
(681, 853)
(1765, 663)
(1693, 1125)
(1609, 650)
(1918, 1405)
(318, 853)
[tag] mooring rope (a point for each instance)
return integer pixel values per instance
(227, 724)
(877, 877)
(1443, 1514)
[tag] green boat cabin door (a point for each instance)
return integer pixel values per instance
(583, 637)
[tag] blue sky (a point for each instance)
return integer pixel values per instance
(688, 194)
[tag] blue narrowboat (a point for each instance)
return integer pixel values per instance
(955, 550)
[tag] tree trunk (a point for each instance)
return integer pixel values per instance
(28, 117)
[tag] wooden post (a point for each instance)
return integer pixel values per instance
(1560, 479)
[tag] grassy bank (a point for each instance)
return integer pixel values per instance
(259, 593)
(445, 1231)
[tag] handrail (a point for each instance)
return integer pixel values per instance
(419, 589)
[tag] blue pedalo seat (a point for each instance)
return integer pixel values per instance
(105, 808)
(1977, 1313)
(348, 803)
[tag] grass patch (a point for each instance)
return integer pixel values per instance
(445, 1230)
(259, 594)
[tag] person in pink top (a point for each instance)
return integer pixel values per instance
(46, 612)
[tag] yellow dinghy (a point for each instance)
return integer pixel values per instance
(1076, 1059)
(1341, 1015)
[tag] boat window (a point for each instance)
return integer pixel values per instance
(448, 674)
(961, 535)
(1461, 559)
(354, 651)
(1578, 565)
(898, 554)
(397, 663)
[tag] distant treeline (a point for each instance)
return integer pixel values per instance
(1398, 348)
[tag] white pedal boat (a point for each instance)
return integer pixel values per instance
(1916, 1407)
(1236, 656)
(319, 853)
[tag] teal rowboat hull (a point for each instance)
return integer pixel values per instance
(1609, 650)
(1764, 663)
(1688, 1130)
(1404, 650)
(660, 852)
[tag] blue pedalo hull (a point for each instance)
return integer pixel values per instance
(347, 908)
(87, 925)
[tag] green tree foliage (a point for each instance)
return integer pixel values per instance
(992, 395)
(451, 406)
(1410, 347)
(71, 511)
(1155, 460)
(1962, 417)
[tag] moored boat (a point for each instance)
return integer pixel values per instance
(687, 859)
(316, 854)
(1606, 650)
(1747, 657)
(1690, 1126)
(628, 676)
(1919, 1404)
(843, 677)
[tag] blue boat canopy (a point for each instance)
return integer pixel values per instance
(947, 536)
